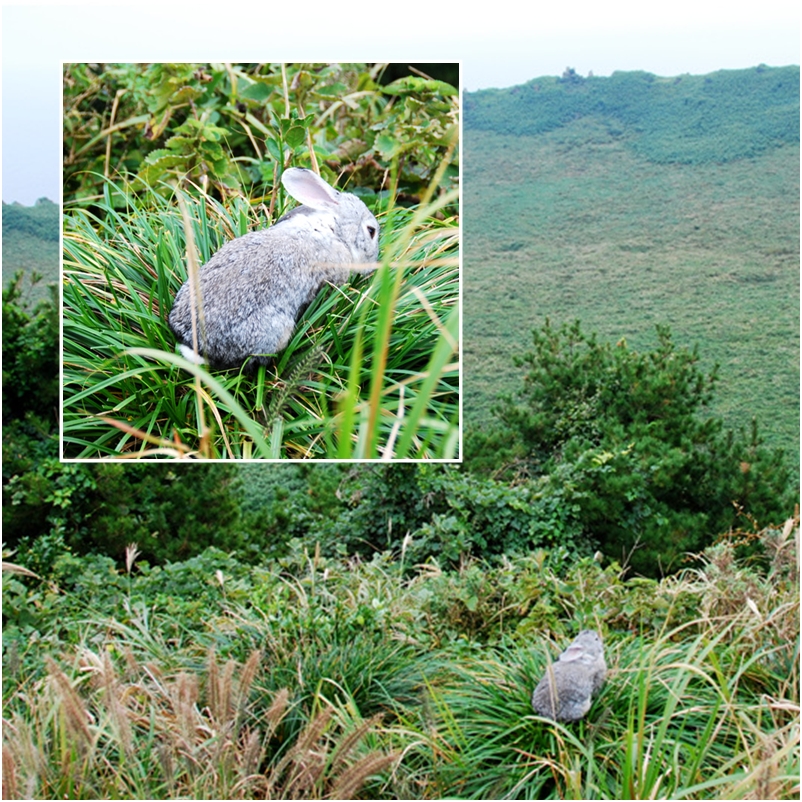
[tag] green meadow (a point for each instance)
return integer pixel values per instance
(616, 201)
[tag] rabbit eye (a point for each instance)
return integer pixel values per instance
(372, 231)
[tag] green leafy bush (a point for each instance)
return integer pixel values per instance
(102, 508)
(226, 127)
(289, 502)
(30, 355)
(624, 440)
(445, 514)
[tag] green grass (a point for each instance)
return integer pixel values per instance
(371, 371)
(573, 224)
(679, 717)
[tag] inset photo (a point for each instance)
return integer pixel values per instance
(261, 262)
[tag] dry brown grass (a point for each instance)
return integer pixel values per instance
(146, 735)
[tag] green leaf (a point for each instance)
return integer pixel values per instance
(295, 136)
(257, 92)
(274, 149)
(412, 84)
(387, 146)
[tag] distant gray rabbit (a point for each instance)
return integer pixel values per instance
(254, 289)
(565, 692)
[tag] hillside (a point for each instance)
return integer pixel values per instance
(634, 200)
(30, 243)
(688, 119)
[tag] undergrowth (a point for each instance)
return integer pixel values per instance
(371, 370)
(316, 677)
(166, 162)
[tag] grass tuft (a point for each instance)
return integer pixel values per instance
(372, 370)
(152, 736)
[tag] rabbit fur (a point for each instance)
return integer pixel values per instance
(254, 289)
(564, 693)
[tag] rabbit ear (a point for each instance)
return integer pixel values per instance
(573, 652)
(308, 188)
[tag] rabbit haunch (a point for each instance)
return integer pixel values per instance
(565, 692)
(254, 289)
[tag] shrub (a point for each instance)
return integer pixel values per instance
(625, 440)
(442, 513)
(102, 508)
(30, 356)
(227, 127)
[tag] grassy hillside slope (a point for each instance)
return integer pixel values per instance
(30, 244)
(587, 202)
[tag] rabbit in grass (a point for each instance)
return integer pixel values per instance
(564, 693)
(254, 289)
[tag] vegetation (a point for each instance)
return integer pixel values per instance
(625, 449)
(688, 119)
(315, 678)
(232, 128)
(39, 221)
(30, 246)
(30, 354)
(582, 218)
(30, 414)
(591, 456)
(127, 393)
(370, 371)
(338, 630)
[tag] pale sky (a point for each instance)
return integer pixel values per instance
(496, 45)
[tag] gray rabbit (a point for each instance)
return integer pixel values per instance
(254, 289)
(564, 693)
